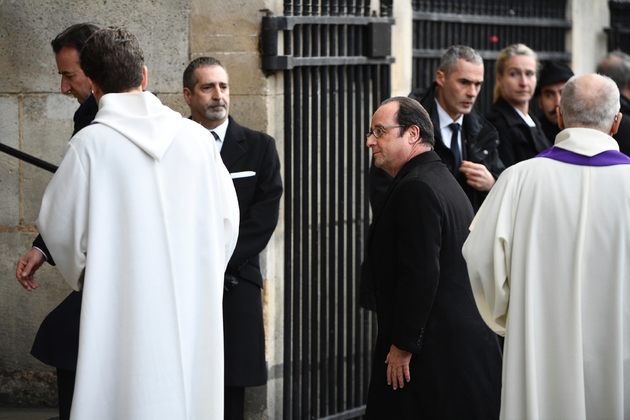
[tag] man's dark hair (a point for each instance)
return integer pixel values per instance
(410, 112)
(113, 58)
(74, 36)
(190, 79)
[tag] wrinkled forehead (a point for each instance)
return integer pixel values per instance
(211, 75)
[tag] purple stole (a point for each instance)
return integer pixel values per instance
(606, 158)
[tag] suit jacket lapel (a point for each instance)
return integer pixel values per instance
(234, 144)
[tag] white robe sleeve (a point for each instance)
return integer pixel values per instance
(63, 218)
(229, 201)
(488, 254)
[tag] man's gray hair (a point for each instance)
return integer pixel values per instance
(591, 105)
(616, 65)
(454, 53)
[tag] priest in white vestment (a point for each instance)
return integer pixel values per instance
(143, 217)
(549, 262)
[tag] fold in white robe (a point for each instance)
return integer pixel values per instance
(549, 262)
(143, 217)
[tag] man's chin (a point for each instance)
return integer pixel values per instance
(216, 116)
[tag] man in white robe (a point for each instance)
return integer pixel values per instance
(143, 217)
(549, 262)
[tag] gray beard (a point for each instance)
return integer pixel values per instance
(215, 116)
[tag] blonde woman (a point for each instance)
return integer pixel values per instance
(520, 134)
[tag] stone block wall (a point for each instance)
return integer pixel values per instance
(37, 119)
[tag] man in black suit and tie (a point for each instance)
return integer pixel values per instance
(252, 160)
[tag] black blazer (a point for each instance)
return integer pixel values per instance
(425, 304)
(517, 140)
(246, 150)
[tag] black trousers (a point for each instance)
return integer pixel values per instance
(234, 403)
(65, 389)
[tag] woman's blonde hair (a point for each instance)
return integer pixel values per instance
(507, 53)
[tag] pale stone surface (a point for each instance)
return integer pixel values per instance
(176, 102)
(28, 26)
(46, 129)
(9, 166)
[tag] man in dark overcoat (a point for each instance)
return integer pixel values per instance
(252, 160)
(57, 340)
(434, 356)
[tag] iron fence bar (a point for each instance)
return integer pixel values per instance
(27, 158)
(289, 290)
(493, 55)
(492, 20)
(288, 23)
(290, 62)
(328, 308)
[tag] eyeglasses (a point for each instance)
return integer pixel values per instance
(379, 131)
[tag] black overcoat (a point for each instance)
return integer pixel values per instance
(425, 304)
(517, 140)
(252, 160)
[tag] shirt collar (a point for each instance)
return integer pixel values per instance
(528, 120)
(445, 119)
(221, 130)
(585, 141)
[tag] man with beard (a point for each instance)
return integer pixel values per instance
(551, 80)
(253, 162)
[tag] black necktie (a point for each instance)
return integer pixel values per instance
(455, 146)
(216, 136)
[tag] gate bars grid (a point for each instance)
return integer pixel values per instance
(332, 85)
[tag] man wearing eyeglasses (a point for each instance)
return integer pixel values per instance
(465, 141)
(470, 152)
(434, 355)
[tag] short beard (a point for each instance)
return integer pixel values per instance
(216, 115)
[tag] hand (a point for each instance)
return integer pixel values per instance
(398, 367)
(27, 266)
(477, 175)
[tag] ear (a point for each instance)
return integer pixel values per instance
(145, 77)
(616, 122)
(440, 77)
(187, 95)
(560, 119)
(414, 134)
(96, 90)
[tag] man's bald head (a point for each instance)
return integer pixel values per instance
(590, 101)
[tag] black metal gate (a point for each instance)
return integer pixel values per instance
(619, 31)
(335, 62)
(488, 26)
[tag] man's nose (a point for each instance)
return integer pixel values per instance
(65, 86)
(557, 98)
